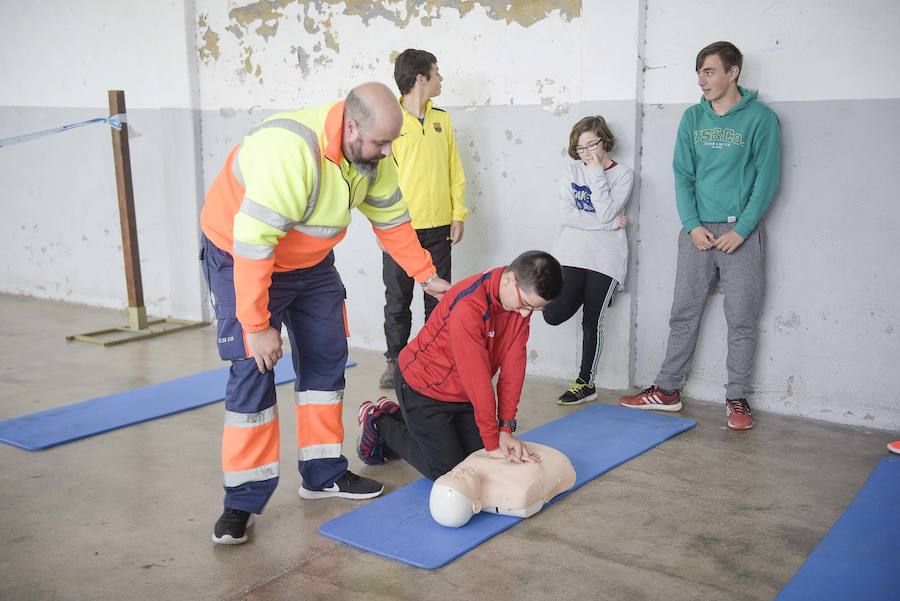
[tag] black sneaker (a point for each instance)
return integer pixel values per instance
(579, 391)
(231, 527)
(387, 378)
(348, 486)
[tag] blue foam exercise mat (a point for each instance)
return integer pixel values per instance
(595, 439)
(53, 427)
(859, 558)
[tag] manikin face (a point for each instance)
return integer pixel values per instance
(514, 298)
(433, 82)
(714, 80)
(465, 481)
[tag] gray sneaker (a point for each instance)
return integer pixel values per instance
(387, 378)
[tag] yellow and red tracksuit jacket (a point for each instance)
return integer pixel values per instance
(283, 201)
(431, 174)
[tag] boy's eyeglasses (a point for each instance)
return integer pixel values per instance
(522, 303)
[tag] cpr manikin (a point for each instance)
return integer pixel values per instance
(484, 483)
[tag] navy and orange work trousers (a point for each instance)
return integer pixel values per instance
(310, 303)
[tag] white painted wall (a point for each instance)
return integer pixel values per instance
(67, 54)
(60, 236)
(514, 92)
(828, 333)
(799, 50)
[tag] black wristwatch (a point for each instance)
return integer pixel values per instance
(509, 423)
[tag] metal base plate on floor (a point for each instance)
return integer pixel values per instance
(125, 334)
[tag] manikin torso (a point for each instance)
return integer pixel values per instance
(483, 483)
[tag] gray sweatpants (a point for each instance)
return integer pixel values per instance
(742, 278)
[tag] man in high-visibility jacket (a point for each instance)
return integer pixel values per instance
(434, 187)
(270, 221)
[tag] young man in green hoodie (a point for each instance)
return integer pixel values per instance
(727, 167)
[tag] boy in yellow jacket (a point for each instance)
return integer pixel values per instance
(433, 185)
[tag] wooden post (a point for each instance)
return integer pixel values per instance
(137, 313)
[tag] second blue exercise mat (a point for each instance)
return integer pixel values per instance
(596, 439)
(858, 558)
(49, 428)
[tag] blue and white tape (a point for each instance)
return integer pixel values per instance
(115, 121)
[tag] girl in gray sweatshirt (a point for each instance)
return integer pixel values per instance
(590, 244)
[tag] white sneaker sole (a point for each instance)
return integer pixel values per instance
(578, 402)
(655, 407)
(327, 494)
(733, 427)
(230, 540)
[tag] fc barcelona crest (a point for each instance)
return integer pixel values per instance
(437, 127)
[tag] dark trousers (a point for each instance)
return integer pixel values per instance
(398, 288)
(433, 435)
(593, 290)
(310, 302)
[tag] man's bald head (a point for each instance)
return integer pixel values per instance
(372, 120)
(373, 103)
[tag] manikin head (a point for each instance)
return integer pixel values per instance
(455, 497)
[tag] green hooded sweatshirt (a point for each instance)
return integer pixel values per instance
(727, 167)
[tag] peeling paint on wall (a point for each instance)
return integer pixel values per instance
(326, 39)
(210, 48)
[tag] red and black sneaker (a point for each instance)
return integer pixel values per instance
(389, 407)
(653, 399)
(894, 447)
(369, 445)
(739, 416)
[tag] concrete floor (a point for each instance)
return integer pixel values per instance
(711, 514)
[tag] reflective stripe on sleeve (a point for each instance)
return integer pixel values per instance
(383, 203)
(319, 231)
(386, 225)
(256, 252)
(264, 214)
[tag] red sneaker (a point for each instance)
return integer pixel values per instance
(739, 416)
(388, 406)
(894, 447)
(653, 399)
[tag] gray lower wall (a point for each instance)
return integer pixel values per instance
(513, 156)
(60, 237)
(829, 332)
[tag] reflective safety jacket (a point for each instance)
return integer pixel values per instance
(283, 201)
(431, 174)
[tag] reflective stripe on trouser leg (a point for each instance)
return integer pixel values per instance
(250, 446)
(250, 441)
(320, 430)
